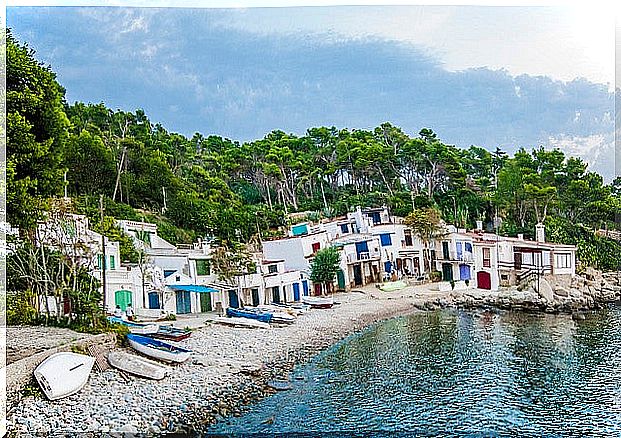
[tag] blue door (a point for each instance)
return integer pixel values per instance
(464, 272)
(361, 247)
(233, 299)
(459, 251)
(154, 300)
(296, 291)
(305, 288)
(183, 302)
(388, 267)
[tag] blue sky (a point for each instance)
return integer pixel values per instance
(490, 76)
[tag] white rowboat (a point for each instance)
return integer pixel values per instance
(63, 374)
(158, 349)
(241, 322)
(137, 365)
(319, 302)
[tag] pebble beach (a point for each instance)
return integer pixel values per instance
(231, 367)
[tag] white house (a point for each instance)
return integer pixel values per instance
(402, 253)
(360, 260)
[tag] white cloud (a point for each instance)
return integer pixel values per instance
(596, 150)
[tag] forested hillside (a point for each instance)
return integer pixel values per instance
(209, 185)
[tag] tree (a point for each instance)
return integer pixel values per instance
(324, 268)
(36, 132)
(231, 261)
(426, 223)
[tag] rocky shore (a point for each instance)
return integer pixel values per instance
(231, 367)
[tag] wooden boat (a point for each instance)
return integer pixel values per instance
(137, 365)
(250, 314)
(319, 302)
(278, 309)
(63, 374)
(289, 308)
(241, 322)
(158, 349)
(170, 333)
(135, 327)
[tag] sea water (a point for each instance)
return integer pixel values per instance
(456, 373)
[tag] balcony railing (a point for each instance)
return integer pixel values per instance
(453, 256)
(363, 256)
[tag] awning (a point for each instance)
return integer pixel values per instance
(192, 288)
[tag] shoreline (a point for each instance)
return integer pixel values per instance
(230, 366)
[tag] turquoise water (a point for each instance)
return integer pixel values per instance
(456, 373)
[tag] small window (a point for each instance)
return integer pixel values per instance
(408, 238)
(316, 247)
(112, 263)
(385, 239)
(203, 267)
(178, 278)
(563, 261)
(272, 269)
(487, 254)
(504, 277)
(344, 229)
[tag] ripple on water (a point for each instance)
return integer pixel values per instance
(458, 373)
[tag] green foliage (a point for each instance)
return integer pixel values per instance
(325, 266)
(19, 308)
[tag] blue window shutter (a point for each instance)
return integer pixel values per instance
(385, 239)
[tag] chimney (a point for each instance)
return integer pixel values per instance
(479, 225)
(520, 237)
(540, 233)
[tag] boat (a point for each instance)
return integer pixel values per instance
(292, 309)
(241, 322)
(319, 302)
(63, 374)
(274, 308)
(135, 327)
(158, 349)
(170, 333)
(250, 314)
(137, 365)
(277, 316)
(393, 285)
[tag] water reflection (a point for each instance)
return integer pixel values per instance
(459, 373)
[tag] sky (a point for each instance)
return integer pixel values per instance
(519, 76)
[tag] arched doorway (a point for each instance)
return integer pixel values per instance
(484, 280)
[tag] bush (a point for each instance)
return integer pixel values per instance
(435, 276)
(19, 310)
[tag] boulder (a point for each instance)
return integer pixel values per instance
(545, 290)
(561, 292)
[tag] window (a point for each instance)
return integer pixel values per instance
(272, 269)
(563, 261)
(344, 229)
(316, 247)
(112, 264)
(178, 278)
(487, 257)
(99, 261)
(203, 267)
(385, 239)
(408, 238)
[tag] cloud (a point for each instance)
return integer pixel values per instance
(596, 150)
(192, 71)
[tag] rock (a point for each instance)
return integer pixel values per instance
(545, 290)
(561, 291)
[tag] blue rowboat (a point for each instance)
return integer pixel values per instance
(158, 349)
(135, 327)
(251, 314)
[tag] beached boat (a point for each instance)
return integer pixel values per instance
(250, 314)
(278, 316)
(137, 365)
(63, 374)
(158, 349)
(135, 327)
(319, 302)
(292, 309)
(170, 333)
(241, 322)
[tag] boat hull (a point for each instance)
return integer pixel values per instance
(137, 365)
(63, 374)
(318, 302)
(245, 313)
(158, 349)
(242, 322)
(134, 327)
(170, 334)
